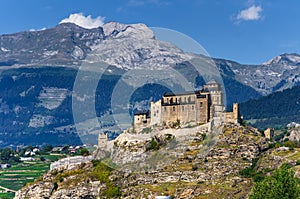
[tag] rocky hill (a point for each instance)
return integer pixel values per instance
(208, 166)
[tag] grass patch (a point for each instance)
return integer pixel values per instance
(295, 156)
(102, 172)
(162, 188)
(7, 195)
(282, 153)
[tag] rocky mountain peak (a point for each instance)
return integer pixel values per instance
(285, 59)
(70, 26)
(118, 30)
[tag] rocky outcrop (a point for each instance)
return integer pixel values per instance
(206, 166)
(294, 134)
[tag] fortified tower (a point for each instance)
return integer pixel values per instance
(102, 140)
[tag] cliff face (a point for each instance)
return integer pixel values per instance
(205, 166)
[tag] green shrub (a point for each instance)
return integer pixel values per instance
(247, 172)
(153, 145)
(175, 124)
(168, 136)
(250, 172)
(101, 172)
(277, 145)
(244, 123)
(194, 167)
(112, 191)
(290, 144)
(55, 186)
(203, 135)
(84, 152)
(147, 130)
(282, 184)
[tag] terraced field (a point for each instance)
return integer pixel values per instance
(17, 176)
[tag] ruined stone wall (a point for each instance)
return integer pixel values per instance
(70, 162)
(234, 116)
(141, 120)
(269, 133)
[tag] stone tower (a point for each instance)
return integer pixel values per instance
(102, 140)
(236, 112)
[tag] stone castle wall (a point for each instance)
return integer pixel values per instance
(70, 162)
(197, 107)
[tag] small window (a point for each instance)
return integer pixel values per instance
(192, 107)
(201, 104)
(165, 109)
(173, 108)
(182, 108)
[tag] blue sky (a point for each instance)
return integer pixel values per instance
(246, 31)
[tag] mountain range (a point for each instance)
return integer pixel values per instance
(39, 68)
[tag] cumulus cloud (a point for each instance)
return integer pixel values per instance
(250, 14)
(34, 30)
(84, 21)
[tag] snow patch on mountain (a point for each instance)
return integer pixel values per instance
(4, 49)
(284, 59)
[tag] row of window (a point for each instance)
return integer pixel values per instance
(174, 108)
(179, 100)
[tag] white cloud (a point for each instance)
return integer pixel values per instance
(34, 30)
(250, 14)
(84, 21)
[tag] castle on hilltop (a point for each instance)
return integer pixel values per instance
(198, 107)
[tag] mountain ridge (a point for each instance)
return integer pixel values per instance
(39, 70)
(133, 46)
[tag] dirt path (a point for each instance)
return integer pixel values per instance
(6, 189)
